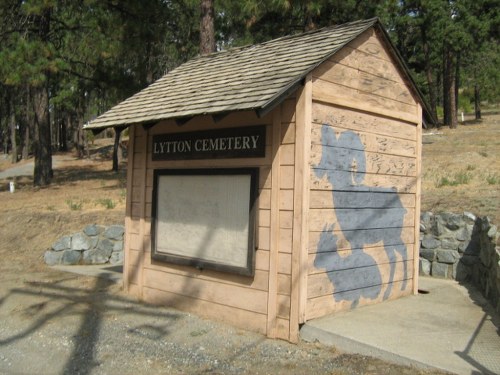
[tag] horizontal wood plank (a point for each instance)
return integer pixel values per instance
(371, 182)
(348, 199)
(339, 117)
(349, 259)
(207, 290)
(357, 278)
(361, 218)
(392, 236)
(229, 315)
(380, 144)
(320, 306)
(375, 162)
(363, 81)
(328, 92)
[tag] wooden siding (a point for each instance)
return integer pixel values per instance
(365, 167)
(261, 303)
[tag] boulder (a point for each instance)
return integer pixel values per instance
(80, 241)
(62, 243)
(71, 257)
(114, 232)
(52, 258)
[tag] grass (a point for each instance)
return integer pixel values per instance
(458, 178)
(74, 206)
(493, 179)
(107, 203)
(460, 172)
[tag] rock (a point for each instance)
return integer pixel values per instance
(71, 257)
(95, 256)
(453, 221)
(449, 243)
(447, 256)
(462, 248)
(463, 234)
(93, 230)
(469, 260)
(116, 257)
(439, 269)
(52, 258)
(492, 232)
(114, 232)
(469, 217)
(429, 242)
(438, 228)
(485, 257)
(106, 246)
(62, 243)
(118, 246)
(461, 272)
(424, 267)
(80, 241)
(428, 254)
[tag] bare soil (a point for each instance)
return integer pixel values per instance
(58, 323)
(461, 168)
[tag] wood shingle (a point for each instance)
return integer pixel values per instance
(254, 77)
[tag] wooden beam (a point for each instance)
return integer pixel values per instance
(128, 210)
(418, 196)
(183, 120)
(220, 116)
(148, 125)
(301, 208)
(274, 226)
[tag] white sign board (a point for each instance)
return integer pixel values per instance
(203, 218)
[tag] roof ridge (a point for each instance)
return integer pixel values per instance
(254, 77)
(367, 22)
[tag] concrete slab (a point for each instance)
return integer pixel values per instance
(106, 271)
(452, 328)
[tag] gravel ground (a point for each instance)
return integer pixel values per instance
(60, 323)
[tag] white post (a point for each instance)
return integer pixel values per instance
(12, 186)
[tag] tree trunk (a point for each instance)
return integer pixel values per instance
(42, 137)
(13, 140)
(26, 143)
(116, 149)
(62, 130)
(429, 73)
(477, 102)
(207, 32)
(449, 97)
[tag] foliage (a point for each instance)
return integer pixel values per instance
(88, 55)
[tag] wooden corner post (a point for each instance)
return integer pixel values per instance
(301, 208)
(418, 195)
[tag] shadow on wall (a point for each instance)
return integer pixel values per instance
(343, 162)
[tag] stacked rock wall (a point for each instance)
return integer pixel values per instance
(461, 247)
(95, 245)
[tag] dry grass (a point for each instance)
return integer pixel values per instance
(461, 168)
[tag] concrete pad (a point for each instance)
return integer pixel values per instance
(106, 271)
(452, 328)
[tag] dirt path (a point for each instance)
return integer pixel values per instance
(26, 169)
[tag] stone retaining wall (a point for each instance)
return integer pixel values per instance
(461, 247)
(96, 244)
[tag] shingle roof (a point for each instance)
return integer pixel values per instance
(254, 77)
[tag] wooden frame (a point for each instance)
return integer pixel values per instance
(207, 260)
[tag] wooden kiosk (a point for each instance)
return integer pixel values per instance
(276, 183)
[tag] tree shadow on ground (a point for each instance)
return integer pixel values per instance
(54, 301)
(489, 315)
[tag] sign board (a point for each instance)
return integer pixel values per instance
(244, 142)
(205, 218)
